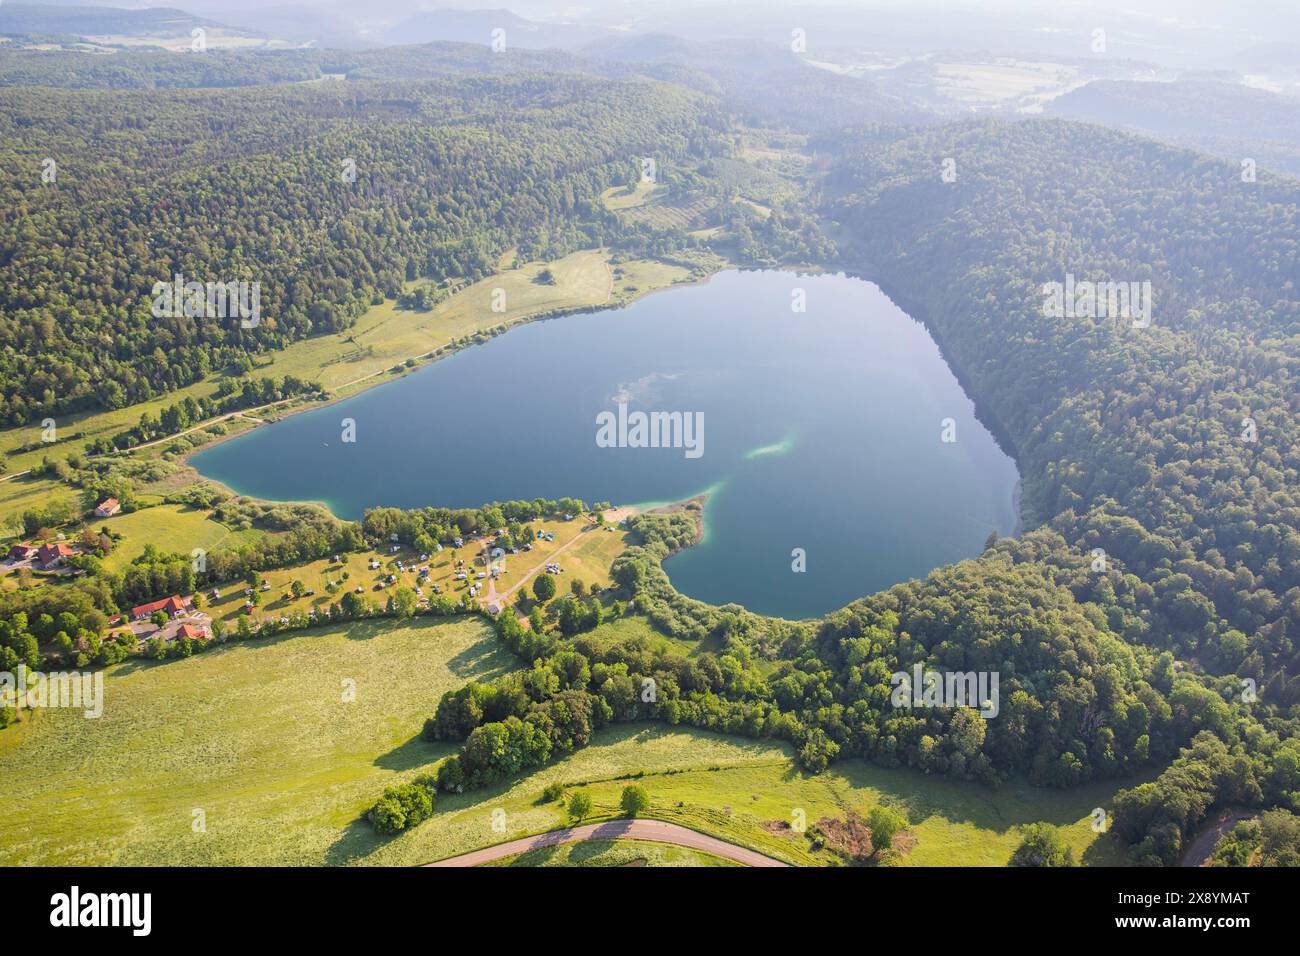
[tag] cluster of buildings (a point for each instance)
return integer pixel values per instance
(53, 555)
(50, 556)
(196, 624)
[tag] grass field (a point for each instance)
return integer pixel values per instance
(614, 853)
(648, 204)
(619, 198)
(24, 493)
(256, 735)
(741, 790)
(171, 528)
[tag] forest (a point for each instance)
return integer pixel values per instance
(330, 197)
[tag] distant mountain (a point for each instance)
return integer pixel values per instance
(28, 18)
(478, 26)
(765, 81)
(1280, 57)
(1224, 119)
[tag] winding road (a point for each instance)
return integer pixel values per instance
(652, 831)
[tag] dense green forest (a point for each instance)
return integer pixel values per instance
(1147, 620)
(1130, 440)
(1169, 452)
(250, 185)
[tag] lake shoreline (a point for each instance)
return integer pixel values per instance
(841, 410)
(430, 359)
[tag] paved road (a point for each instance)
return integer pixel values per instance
(653, 831)
(1201, 849)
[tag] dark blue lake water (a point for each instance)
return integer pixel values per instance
(822, 430)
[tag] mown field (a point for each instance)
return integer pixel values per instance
(258, 737)
(170, 528)
(743, 791)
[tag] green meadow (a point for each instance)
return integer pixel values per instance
(258, 737)
(251, 754)
(170, 528)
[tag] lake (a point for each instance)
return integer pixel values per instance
(838, 430)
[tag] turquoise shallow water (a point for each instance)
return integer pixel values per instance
(822, 431)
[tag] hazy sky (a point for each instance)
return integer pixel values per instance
(1182, 33)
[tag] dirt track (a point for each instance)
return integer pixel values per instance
(653, 831)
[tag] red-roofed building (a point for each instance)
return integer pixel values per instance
(192, 631)
(52, 555)
(21, 552)
(170, 606)
(107, 508)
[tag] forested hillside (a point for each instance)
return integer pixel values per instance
(1129, 439)
(249, 185)
(1222, 119)
(1172, 449)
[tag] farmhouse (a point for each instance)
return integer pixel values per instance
(192, 631)
(21, 552)
(170, 606)
(53, 555)
(107, 508)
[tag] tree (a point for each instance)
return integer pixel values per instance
(404, 602)
(579, 805)
(298, 588)
(885, 824)
(635, 801)
(1042, 845)
(544, 587)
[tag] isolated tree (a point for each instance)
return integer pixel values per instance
(404, 602)
(579, 805)
(544, 588)
(1042, 845)
(885, 823)
(635, 801)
